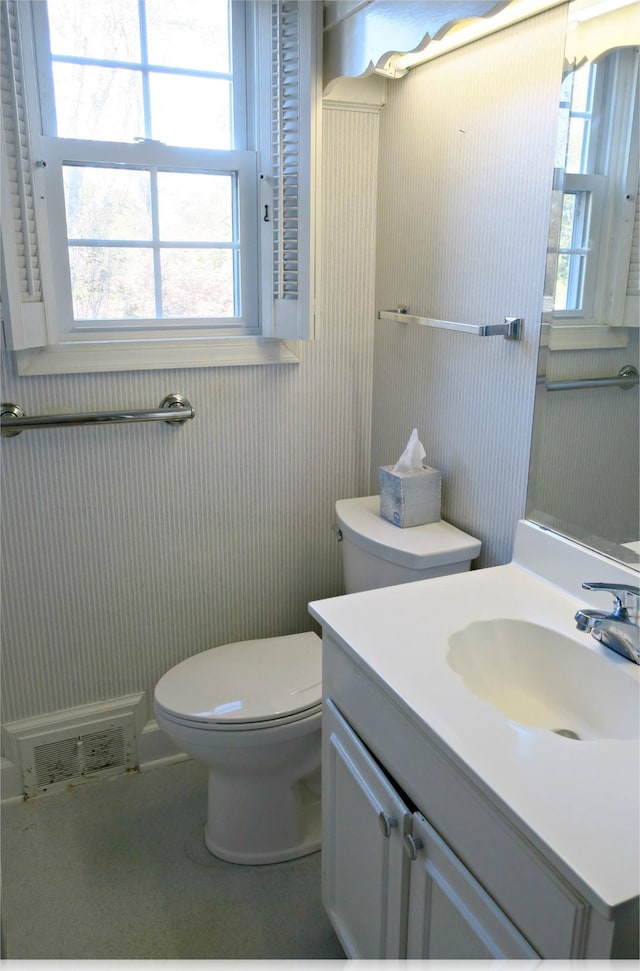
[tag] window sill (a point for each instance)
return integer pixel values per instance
(85, 357)
(577, 337)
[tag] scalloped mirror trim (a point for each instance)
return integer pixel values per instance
(389, 38)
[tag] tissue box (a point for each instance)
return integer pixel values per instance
(410, 498)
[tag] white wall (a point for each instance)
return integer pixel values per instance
(466, 162)
(127, 548)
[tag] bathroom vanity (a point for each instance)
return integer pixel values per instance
(461, 825)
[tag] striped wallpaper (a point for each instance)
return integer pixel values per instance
(128, 548)
(585, 460)
(467, 149)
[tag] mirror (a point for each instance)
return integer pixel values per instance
(584, 477)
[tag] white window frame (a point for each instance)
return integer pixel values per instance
(612, 189)
(594, 188)
(37, 328)
(147, 155)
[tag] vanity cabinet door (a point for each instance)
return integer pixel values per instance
(364, 867)
(450, 915)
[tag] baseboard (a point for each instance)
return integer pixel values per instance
(10, 781)
(154, 750)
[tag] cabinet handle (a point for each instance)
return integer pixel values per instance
(387, 823)
(411, 846)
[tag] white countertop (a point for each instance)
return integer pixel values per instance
(581, 799)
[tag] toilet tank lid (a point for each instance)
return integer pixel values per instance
(247, 681)
(416, 547)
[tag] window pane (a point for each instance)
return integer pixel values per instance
(577, 148)
(107, 203)
(569, 282)
(103, 29)
(574, 236)
(98, 103)
(197, 283)
(194, 112)
(191, 33)
(560, 296)
(574, 227)
(566, 224)
(580, 123)
(111, 282)
(582, 95)
(195, 207)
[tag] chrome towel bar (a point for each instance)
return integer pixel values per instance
(626, 378)
(511, 329)
(174, 409)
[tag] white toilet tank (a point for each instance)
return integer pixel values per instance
(376, 553)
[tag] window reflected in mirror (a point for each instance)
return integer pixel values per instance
(584, 466)
(600, 169)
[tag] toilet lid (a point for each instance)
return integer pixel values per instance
(417, 547)
(248, 681)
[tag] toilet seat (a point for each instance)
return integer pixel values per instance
(248, 685)
(268, 726)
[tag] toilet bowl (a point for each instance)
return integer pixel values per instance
(251, 711)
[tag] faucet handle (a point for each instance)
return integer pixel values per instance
(624, 594)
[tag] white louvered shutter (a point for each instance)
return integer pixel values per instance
(23, 310)
(295, 125)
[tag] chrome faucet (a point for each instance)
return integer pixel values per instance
(617, 629)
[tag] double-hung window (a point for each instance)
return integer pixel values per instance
(161, 177)
(599, 191)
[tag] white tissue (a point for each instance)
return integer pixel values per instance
(411, 459)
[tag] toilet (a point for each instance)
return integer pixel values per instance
(251, 711)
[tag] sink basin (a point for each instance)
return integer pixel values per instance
(540, 678)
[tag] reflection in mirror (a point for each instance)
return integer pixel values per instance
(584, 479)
(598, 190)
